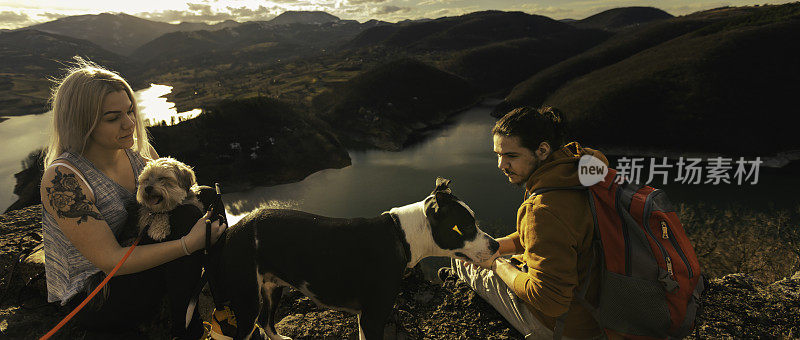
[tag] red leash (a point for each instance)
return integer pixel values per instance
(92, 294)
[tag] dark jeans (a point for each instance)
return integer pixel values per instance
(135, 299)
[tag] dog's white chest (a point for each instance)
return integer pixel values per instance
(159, 225)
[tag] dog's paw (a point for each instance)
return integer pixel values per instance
(158, 232)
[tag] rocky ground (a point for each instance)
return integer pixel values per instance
(736, 305)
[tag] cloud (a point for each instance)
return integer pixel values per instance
(199, 7)
(52, 16)
(361, 2)
(11, 20)
(383, 10)
(261, 13)
(544, 10)
(9, 17)
(201, 12)
(439, 13)
(434, 2)
(172, 15)
(693, 7)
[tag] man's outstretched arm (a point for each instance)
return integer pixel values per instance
(510, 245)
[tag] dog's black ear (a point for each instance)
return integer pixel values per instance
(206, 195)
(442, 184)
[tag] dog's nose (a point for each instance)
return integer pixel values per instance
(148, 189)
(493, 245)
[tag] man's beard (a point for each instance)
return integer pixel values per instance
(536, 163)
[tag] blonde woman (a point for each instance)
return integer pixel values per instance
(98, 147)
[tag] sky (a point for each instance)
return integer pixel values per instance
(21, 13)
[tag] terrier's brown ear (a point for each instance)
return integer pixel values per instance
(186, 176)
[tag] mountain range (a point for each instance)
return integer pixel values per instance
(119, 33)
(716, 81)
(30, 58)
(667, 71)
(123, 33)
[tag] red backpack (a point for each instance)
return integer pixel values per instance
(650, 282)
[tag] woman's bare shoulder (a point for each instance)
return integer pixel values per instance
(62, 175)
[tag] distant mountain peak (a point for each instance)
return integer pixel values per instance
(303, 17)
(622, 17)
(120, 33)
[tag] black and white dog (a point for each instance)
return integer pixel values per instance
(354, 265)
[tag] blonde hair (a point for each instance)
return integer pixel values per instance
(77, 102)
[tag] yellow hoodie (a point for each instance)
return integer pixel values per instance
(554, 235)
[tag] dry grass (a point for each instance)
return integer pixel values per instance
(764, 244)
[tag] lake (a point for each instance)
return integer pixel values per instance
(20, 135)
(379, 180)
(462, 152)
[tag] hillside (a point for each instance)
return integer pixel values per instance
(500, 66)
(250, 42)
(460, 32)
(617, 18)
(739, 305)
(385, 107)
(535, 89)
(725, 88)
(30, 58)
(120, 33)
(257, 141)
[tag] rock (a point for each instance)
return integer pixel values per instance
(742, 281)
(736, 305)
(790, 286)
(423, 297)
(31, 269)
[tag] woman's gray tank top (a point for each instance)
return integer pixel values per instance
(66, 269)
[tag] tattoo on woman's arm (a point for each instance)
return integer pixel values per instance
(68, 200)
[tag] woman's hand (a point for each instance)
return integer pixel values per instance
(196, 238)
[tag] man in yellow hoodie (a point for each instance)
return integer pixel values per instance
(552, 244)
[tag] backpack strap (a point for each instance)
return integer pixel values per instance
(583, 288)
(693, 307)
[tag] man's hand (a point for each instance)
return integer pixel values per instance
(490, 264)
(509, 246)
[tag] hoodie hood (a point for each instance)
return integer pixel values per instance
(560, 169)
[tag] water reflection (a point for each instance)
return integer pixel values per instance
(23, 134)
(20, 136)
(379, 180)
(156, 110)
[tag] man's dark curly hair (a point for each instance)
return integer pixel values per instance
(533, 126)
